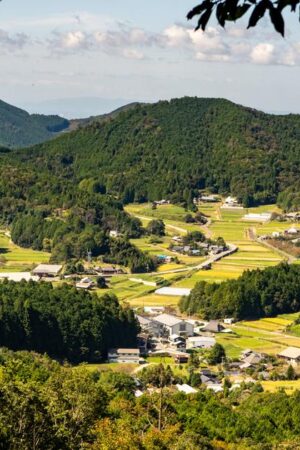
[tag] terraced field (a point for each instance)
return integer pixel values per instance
(266, 335)
(223, 222)
(17, 259)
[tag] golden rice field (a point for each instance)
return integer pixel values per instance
(226, 223)
(288, 386)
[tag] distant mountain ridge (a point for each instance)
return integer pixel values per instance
(20, 129)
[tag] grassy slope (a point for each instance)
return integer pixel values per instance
(19, 259)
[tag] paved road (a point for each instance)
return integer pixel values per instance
(212, 259)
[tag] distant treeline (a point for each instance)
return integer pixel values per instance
(256, 293)
(63, 322)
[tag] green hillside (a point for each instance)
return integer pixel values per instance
(170, 149)
(20, 129)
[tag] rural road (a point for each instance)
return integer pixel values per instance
(212, 259)
(252, 235)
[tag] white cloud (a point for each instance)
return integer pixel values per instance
(12, 42)
(131, 53)
(84, 32)
(74, 40)
(263, 53)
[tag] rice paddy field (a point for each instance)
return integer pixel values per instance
(17, 259)
(226, 223)
(266, 335)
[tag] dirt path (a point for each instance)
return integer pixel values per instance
(173, 227)
(208, 233)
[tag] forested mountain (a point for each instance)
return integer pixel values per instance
(20, 129)
(169, 149)
(65, 195)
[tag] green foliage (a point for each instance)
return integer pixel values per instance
(158, 376)
(255, 294)
(216, 355)
(63, 322)
(290, 373)
(20, 129)
(101, 283)
(171, 149)
(44, 405)
(156, 227)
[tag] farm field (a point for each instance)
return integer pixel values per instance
(17, 259)
(265, 335)
(228, 224)
(288, 386)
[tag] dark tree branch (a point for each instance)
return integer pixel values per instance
(233, 10)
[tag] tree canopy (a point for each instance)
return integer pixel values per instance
(63, 322)
(257, 293)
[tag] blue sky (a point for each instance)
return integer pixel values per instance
(81, 57)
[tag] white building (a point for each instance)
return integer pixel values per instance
(85, 283)
(47, 270)
(176, 292)
(291, 354)
(200, 342)
(292, 230)
(256, 217)
(124, 355)
(186, 389)
(168, 324)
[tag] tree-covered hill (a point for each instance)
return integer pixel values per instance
(63, 322)
(20, 129)
(257, 293)
(170, 149)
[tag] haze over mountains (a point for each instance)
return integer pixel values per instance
(20, 129)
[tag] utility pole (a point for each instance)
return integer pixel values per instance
(160, 400)
(89, 256)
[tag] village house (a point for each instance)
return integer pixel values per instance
(85, 283)
(292, 231)
(154, 309)
(186, 388)
(169, 325)
(181, 358)
(213, 326)
(291, 355)
(200, 342)
(109, 271)
(47, 270)
(124, 355)
(114, 234)
(250, 360)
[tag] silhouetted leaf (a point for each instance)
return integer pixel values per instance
(198, 9)
(202, 22)
(277, 20)
(241, 10)
(258, 13)
(221, 14)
